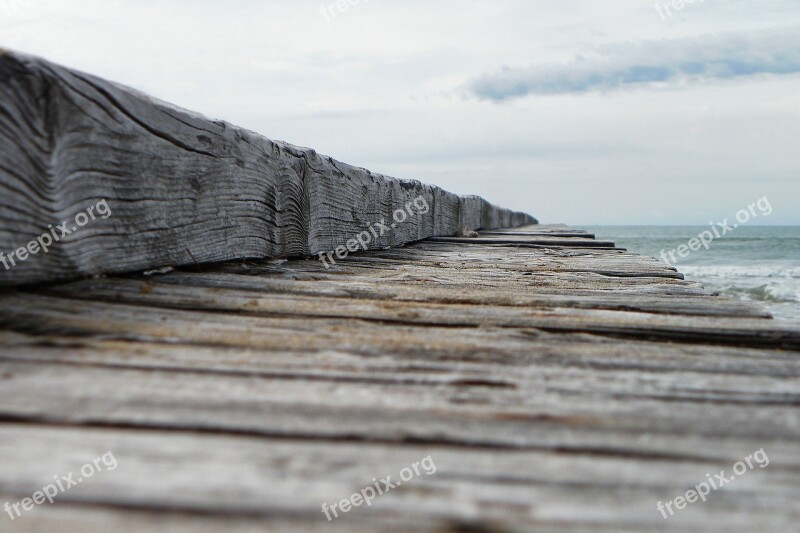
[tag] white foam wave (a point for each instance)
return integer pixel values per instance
(740, 271)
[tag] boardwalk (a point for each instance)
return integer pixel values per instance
(555, 382)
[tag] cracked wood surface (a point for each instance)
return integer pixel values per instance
(556, 387)
(181, 188)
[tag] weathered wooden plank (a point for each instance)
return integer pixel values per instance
(196, 291)
(22, 312)
(461, 358)
(463, 272)
(528, 240)
(538, 228)
(462, 355)
(176, 188)
(454, 273)
(100, 517)
(453, 260)
(561, 235)
(287, 481)
(533, 416)
(574, 280)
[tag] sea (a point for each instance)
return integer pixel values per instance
(751, 263)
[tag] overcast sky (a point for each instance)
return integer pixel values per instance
(576, 111)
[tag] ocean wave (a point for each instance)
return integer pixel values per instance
(768, 292)
(761, 283)
(740, 271)
(759, 264)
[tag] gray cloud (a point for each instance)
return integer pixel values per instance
(616, 66)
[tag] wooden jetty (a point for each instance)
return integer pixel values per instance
(541, 378)
(557, 384)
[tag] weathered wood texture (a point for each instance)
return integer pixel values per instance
(180, 188)
(555, 388)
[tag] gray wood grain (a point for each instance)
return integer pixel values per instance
(517, 490)
(557, 388)
(182, 189)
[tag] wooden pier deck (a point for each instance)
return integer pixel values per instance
(556, 382)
